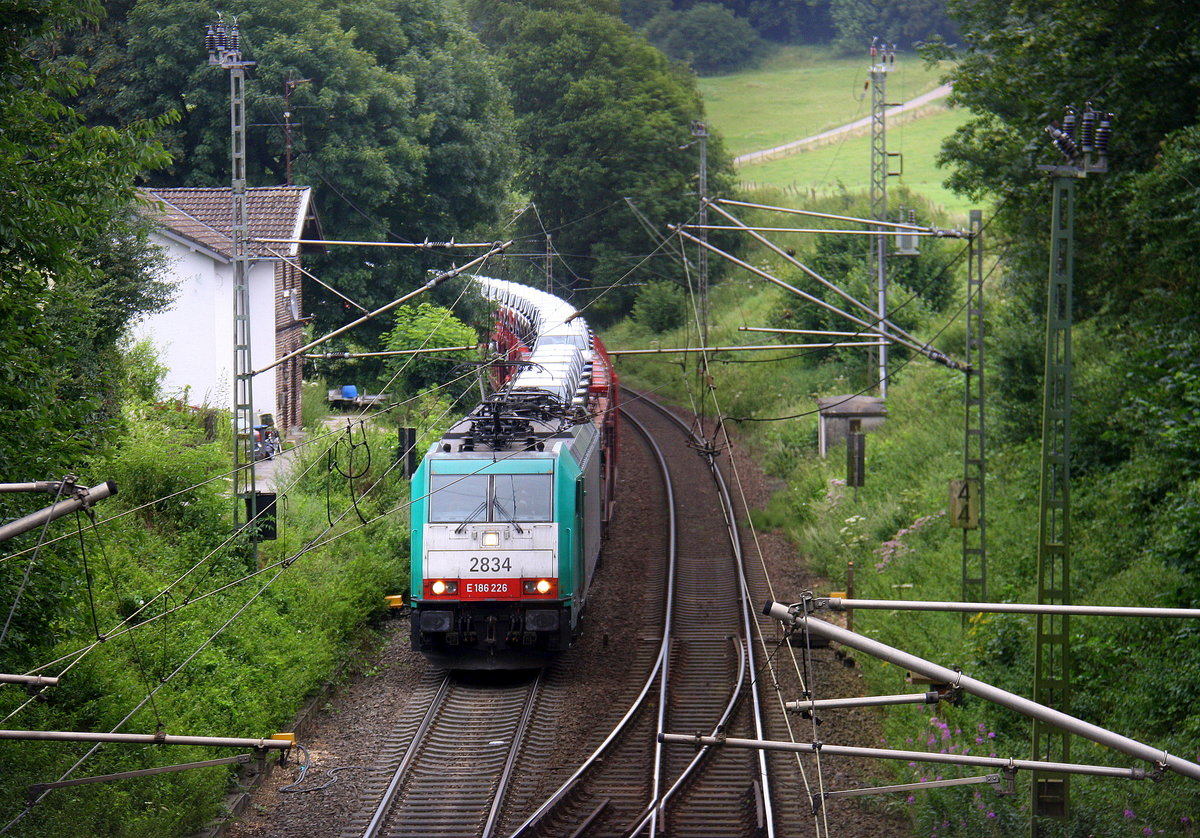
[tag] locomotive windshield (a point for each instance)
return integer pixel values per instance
(521, 497)
(502, 498)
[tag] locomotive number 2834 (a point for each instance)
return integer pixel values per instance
(490, 564)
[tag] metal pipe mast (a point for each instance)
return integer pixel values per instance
(700, 132)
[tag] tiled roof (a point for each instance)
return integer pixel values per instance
(205, 216)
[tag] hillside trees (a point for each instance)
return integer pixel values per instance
(1022, 66)
(400, 123)
(905, 23)
(601, 117)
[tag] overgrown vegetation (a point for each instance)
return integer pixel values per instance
(227, 644)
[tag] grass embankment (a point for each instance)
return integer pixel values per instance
(228, 645)
(803, 91)
(894, 529)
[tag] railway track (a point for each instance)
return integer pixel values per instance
(453, 765)
(478, 757)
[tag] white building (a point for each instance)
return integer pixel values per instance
(194, 337)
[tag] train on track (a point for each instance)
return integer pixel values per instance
(509, 506)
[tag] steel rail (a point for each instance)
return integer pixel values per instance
(745, 649)
(736, 543)
(649, 816)
(493, 818)
(659, 664)
(389, 795)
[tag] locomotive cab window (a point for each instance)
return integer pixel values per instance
(521, 497)
(457, 497)
(501, 498)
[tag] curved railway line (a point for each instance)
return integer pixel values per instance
(574, 751)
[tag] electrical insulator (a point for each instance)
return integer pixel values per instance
(1069, 123)
(1103, 133)
(1065, 144)
(1087, 130)
(912, 216)
(220, 35)
(210, 40)
(235, 41)
(892, 55)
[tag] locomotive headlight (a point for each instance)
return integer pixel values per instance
(543, 586)
(491, 538)
(438, 587)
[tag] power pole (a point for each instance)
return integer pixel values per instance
(970, 491)
(549, 264)
(289, 86)
(700, 132)
(883, 59)
(224, 51)
(1052, 648)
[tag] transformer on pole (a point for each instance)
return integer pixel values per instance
(1052, 647)
(224, 51)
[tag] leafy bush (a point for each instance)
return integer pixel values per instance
(660, 306)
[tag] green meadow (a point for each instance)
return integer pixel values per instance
(802, 91)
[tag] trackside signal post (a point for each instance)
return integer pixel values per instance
(1086, 153)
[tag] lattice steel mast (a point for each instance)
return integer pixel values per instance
(883, 59)
(224, 51)
(972, 489)
(1052, 648)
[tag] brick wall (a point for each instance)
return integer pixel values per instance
(289, 336)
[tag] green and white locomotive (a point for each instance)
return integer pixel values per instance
(509, 506)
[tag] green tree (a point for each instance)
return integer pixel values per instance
(1019, 68)
(708, 36)
(428, 326)
(74, 263)
(75, 269)
(781, 21)
(400, 124)
(601, 117)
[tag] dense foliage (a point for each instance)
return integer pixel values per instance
(708, 36)
(424, 327)
(851, 24)
(602, 119)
